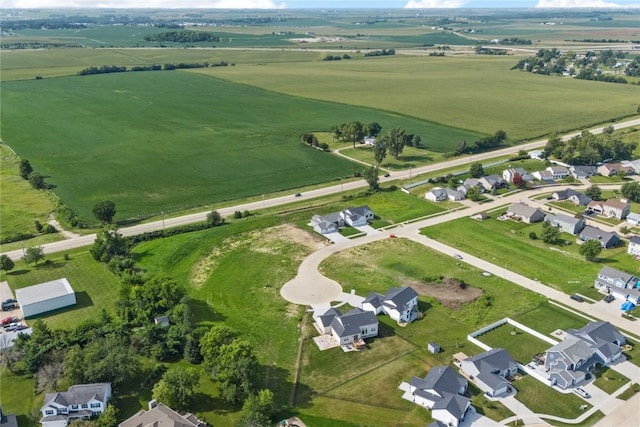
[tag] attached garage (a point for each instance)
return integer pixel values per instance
(45, 297)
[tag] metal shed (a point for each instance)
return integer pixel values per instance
(45, 297)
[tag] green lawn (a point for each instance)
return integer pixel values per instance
(542, 399)
(628, 393)
(520, 344)
(547, 317)
(411, 157)
(609, 380)
(591, 421)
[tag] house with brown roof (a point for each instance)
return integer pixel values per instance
(611, 208)
(159, 415)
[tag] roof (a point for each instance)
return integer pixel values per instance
(633, 216)
(495, 359)
(326, 318)
(593, 233)
(635, 240)
(455, 404)
(616, 204)
(350, 323)
(9, 420)
(399, 297)
(441, 379)
(43, 292)
(573, 348)
(523, 210)
(492, 381)
(612, 273)
(159, 416)
(374, 299)
(78, 394)
(598, 333)
(562, 219)
(359, 210)
(558, 169)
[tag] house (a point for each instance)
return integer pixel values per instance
(162, 321)
(81, 401)
(569, 361)
(607, 239)
(490, 370)
(565, 223)
(632, 164)
(369, 140)
(159, 415)
(325, 224)
(7, 420)
(622, 285)
(358, 216)
(612, 169)
(525, 213)
(469, 183)
(510, 173)
(634, 246)
(558, 172)
(441, 390)
(543, 175)
(323, 322)
(492, 182)
(572, 196)
(348, 328)
(633, 218)
(400, 304)
(537, 154)
(583, 171)
(611, 208)
(438, 194)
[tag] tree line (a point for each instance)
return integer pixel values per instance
(185, 36)
(486, 143)
(381, 52)
(590, 149)
(106, 69)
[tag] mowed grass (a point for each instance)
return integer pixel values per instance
(21, 205)
(521, 345)
(542, 399)
(478, 93)
(95, 286)
(608, 380)
(165, 141)
(507, 244)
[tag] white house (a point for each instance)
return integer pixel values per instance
(438, 194)
(400, 304)
(510, 173)
(525, 213)
(634, 246)
(558, 172)
(45, 297)
(536, 154)
(633, 218)
(358, 216)
(348, 328)
(81, 401)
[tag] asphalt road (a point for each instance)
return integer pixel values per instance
(86, 240)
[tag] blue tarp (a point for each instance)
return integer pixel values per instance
(627, 305)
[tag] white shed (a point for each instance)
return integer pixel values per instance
(45, 297)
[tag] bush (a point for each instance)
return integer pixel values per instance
(237, 214)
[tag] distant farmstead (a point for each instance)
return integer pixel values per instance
(45, 297)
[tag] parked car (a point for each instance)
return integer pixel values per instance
(576, 298)
(386, 175)
(9, 301)
(14, 327)
(609, 298)
(6, 306)
(580, 392)
(8, 320)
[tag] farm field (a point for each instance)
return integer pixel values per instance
(170, 152)
(495, 242)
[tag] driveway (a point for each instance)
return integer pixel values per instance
(367, 229)
(336, 237)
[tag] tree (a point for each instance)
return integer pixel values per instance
(37, 181)
(533, 235)
(396, 141)
(74, 365)
(518, 181)
(105, 211)
(549, 233)
(416, 141)
(25, 168)
(176, 387)
(474, 194)
(211, 343)
(590, 250)
(6, 263)
(594, 192)
(108, 418)
(373, 129)
(236, 371)
(214, 218)
(109, 244)
(631, 190)
(257, 410)
(476, 170)
(34, 255)
(354, 131)
(371, 176)
(380, 151)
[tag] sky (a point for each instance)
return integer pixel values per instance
(320, 4)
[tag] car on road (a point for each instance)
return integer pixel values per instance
(580, 392)
(457, 256)
(387, 175)
(609, 298)
(298, 194)
(576, 298)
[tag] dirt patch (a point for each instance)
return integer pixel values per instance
(452, 293)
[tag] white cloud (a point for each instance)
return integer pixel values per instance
(160, 4)
(434, 4)
(582, 3)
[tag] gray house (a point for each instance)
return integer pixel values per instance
(583, 171)
(607, 239)
(490, 369)
(573, 196)
(622, 285)
(526, 213)
(354, 326)
(565, 223)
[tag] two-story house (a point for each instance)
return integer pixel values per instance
(348, 328)
(400, 304)
(620, 284)
(490, 370)
(81, 401)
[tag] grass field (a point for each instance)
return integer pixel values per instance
(171, 152)
(609, 380)
(542, 399)
(522, 346)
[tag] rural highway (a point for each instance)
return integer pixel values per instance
(76, 242)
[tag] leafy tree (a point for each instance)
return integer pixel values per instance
(396, 141)
(236, 371)
(373, 129)
(109, 359)
(631, 190)
(380, 151)
(48, 376)
(109, 244)
(416, 141)
(549, 233)
(590, 250)
(474, 194)
(594, 192)
(214, 218)
(6, 263)
(37, 181)
(105, 211)
(371, 176)
(74, 365)
(476, 170)
(34, 255)
(25, 168)
(108, 418)
(257, 410)
(176, 387)
(533, 235)
(625, 230)
(354, 132)
(211, 343)
(518, 181)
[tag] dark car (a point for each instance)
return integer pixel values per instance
(8, 306)
(609, 298)
(9, 301)
(576, 298)
(298, 194)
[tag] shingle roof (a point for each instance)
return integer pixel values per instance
(594, 233)
(350, 323)
(573, 348)
(523, 210)
(492, 380)
(495, 359)
(635, 240)
(374, 298)
(598, 333)
(399, 297)
(326, 318)
(78, 394)
(455, 404)
(160, 416)
(441, 379)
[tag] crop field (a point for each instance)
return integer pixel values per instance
(170, 140)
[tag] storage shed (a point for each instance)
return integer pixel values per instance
(433, 347)
(45, 297)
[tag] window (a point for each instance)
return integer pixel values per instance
(48, 412)
(74, 407)
(95, 405)
(85, 406)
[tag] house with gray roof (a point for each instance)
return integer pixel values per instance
(331, 223)
(438, 194)
(160, 415)
(400, 304)
(441, 390)
(510, 173)
(633, 218)
(573, 196)
(620, 284)
(543, 175)
(325, 224)
(607, 239)
(583, 171)
(565, 223)
(492, 182)
(634, 246)
(490, 369)
(348, 328)
(525, 213)
(569, 361)
(558, 172)
(357, 216)
(81, 401)
(7, 420)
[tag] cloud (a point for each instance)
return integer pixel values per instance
(160, 4)
(582, 3)
(434, 4)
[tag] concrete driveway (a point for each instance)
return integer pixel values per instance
(336, 237)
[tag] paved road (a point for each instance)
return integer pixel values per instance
(86, 240)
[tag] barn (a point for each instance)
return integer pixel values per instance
(45, 297)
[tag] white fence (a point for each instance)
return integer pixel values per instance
(472, 336)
